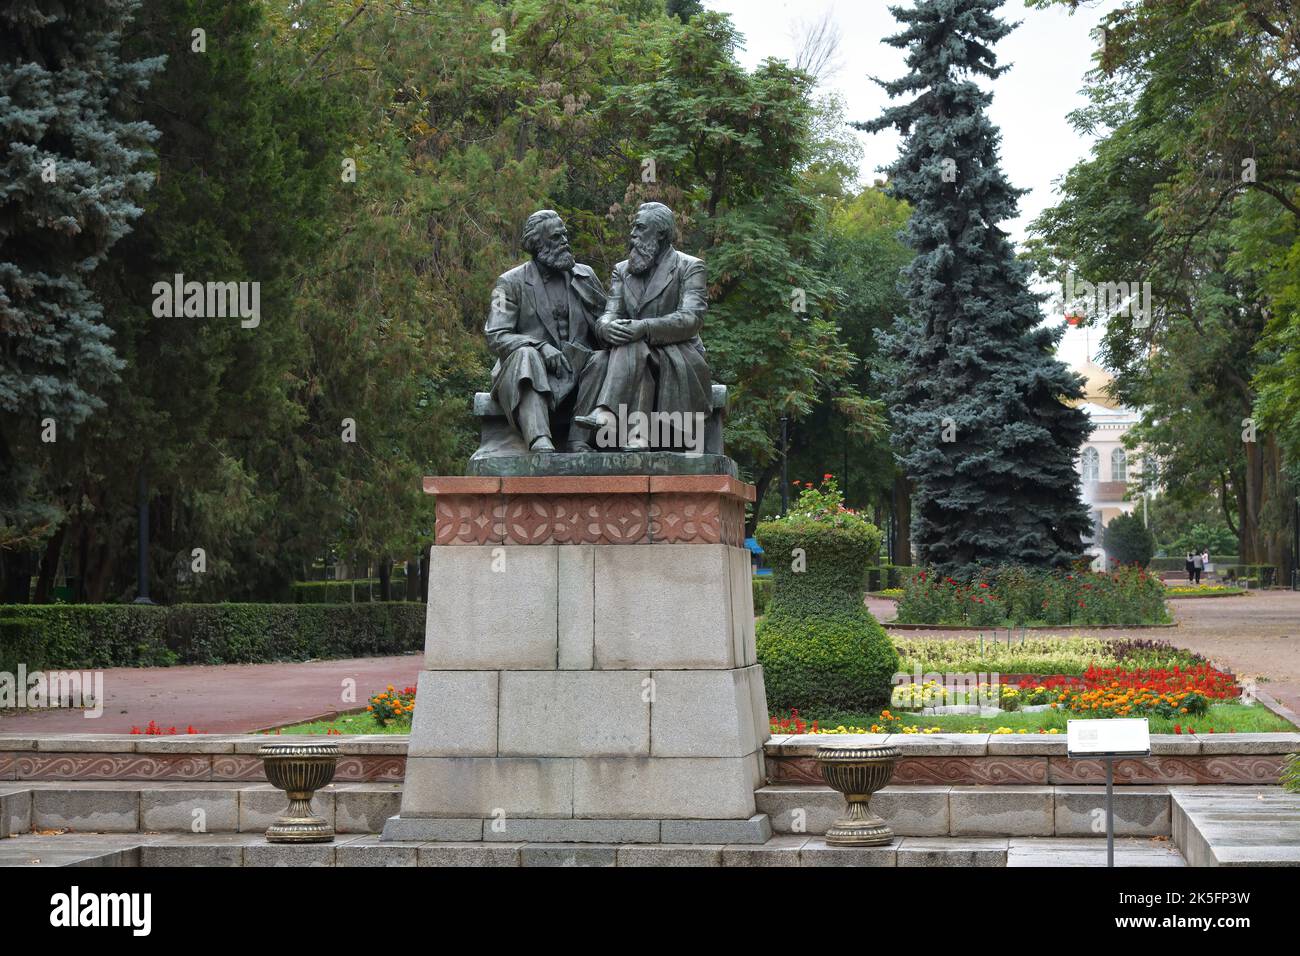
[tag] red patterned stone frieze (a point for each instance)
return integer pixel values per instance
(469, 519)
(689, 509)
(686, 519)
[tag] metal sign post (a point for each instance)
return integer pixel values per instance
(1107, 740)
(1110, 811)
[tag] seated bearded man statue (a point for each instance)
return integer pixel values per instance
(540, 328)
(654, 370)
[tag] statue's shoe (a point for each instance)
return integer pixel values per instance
(542, 446)
(594, 421)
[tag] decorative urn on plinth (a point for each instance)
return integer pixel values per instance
(299, 769)
(858, 772)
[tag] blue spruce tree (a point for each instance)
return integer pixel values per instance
(978, 402)
(70, 178)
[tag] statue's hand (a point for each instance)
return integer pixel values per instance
(555, 361)
(623, 331)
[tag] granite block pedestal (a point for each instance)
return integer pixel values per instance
(590, 672)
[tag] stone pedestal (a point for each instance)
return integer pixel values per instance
(589, 672)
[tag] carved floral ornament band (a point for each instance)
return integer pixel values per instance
(617, 510)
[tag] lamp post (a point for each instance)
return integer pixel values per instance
(785, 474)
(142, 541)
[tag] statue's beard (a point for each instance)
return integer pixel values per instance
(556, 256)
(641, 255)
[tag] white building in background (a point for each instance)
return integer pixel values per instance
(1105, 466)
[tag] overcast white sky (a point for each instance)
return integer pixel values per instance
(1049, 54)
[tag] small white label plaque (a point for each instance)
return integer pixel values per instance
(1100, 738)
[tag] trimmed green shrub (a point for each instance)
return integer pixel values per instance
(19, 642)
(822, 665)
(1128, 541)
(820, 648)
(66, 636)
(337, 592)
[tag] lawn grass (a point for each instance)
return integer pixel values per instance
(1224, 718)
(355, 723)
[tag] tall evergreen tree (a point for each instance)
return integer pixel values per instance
(71, 177)
(978, 401)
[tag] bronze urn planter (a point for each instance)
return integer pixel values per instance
(299, 769)
(858, 772)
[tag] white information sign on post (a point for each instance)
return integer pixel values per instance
(1116, 737)
(1106, 740)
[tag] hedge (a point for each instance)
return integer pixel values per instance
(762, 593)
(85, 636)
(338, 592)
(822, 652)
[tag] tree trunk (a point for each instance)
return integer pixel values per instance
(424, 576)
(1254, 501)
(761, 484)
(902, 519)
(49, 565)
(97, 580)
(83, 558)
(385, 579)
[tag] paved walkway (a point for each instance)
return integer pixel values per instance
(1254, 636)
(226, 698)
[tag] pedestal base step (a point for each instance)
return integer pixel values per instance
(756, 830)
(248, 849)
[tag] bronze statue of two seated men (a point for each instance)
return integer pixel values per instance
(586, 370)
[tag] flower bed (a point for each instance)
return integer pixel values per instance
(392, 706)
(1069, 656)
(1118, 692)
(975, 686)
(1201, 591)
(1012, 596)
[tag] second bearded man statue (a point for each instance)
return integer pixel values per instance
(654, 363)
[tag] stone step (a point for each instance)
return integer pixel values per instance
(1237, 826)
(114, 823)
(998, 811)
(226, 850)
(184, 807)
(755, 830)
(360, 808)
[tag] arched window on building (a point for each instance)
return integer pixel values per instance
(1091, 465)
(1118, 465)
